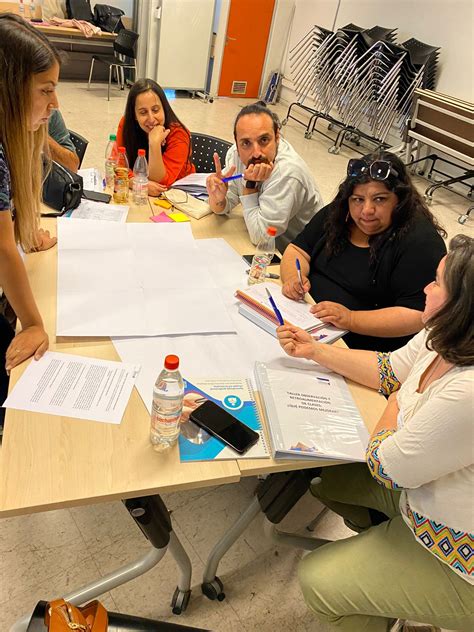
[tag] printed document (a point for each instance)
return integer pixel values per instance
(88, 209)
(75, 386)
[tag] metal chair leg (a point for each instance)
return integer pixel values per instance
(90, 73)
(110, 81)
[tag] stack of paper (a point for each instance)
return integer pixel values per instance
(311, 414)
(256, 306)
(194, 184)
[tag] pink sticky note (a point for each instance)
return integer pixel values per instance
(162, 217)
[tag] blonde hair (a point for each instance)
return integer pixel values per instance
(24, 52)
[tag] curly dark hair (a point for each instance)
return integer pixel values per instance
(451, 329)
(134, 137)
(410, 205)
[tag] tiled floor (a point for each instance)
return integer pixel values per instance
(45, 555)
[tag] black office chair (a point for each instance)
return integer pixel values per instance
(117, 623)
(125, 46)
(80, 143)
(204, 147)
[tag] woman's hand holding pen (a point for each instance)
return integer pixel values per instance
(333, 313)
(296, 342)
(293, 289)
(217, 189)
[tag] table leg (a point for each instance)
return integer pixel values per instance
(151, 515)
(275, 496)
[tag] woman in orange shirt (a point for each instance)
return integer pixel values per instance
(149, 123)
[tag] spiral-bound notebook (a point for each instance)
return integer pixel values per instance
(234, 396)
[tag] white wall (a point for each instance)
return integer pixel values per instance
(445, 23)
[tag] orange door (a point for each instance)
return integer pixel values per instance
(248, 29)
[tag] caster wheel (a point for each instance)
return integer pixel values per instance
(308, 135)
(333, 150)
(428, 199)
(285, 121)
(213, 590)
(211, 100)
(330, 126)
(180, 601)
(463, 219)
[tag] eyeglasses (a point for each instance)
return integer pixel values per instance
(377, 170)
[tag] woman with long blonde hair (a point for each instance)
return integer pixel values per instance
(29, 72)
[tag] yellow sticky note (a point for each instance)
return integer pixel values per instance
(178, 217)
(162, 203)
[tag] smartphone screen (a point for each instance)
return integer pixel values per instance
(275, 259)
(221, 424)
(96, 196)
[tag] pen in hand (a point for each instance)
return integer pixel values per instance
(275, 308)
(229, 178)
(300, 278)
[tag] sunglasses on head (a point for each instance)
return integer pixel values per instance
(377, 169)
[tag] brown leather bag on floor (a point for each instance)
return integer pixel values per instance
(62, 616)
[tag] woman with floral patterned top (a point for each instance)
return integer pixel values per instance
(419, 563)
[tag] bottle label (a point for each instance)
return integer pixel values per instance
(258, 269)
(166, 421)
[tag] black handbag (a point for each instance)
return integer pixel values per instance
(108, 18)
(62, 190)
(79, 10)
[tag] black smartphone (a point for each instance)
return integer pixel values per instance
(275, 259)
(96, 196)
(221, 424)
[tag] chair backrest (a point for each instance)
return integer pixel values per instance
(80, 143)
(126, 43)
(204, 147)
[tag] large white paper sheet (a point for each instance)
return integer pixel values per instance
(203, 356)
(135, 280)
(75, 386)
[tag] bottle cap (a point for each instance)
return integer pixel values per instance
(272, 231)
(112, 136)
(141, 152)
(122, 150)
(171, 362)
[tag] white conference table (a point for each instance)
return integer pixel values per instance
(49, 462)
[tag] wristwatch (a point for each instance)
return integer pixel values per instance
(250, 184)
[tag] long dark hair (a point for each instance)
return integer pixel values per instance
(133, 136)
(451, 329)
(410, 205)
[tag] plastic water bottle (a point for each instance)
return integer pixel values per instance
(140, 179)
(21, 9)
(121, 169)
(168, 394)
(262, 257)
(111, 153)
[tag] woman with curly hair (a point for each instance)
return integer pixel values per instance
(417, 563)
(366, 257)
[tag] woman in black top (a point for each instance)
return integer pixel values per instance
(366, 257)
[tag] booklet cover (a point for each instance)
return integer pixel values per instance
(311, 414)
(234, 396)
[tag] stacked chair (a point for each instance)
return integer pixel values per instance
(358, 80)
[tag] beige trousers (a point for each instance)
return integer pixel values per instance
(363, 583)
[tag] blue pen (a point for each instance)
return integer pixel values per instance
(275, 308)
(300, 278)
(236, 177)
